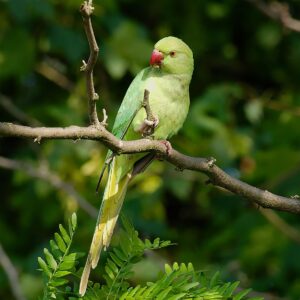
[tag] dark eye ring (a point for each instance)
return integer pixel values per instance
(172, 53)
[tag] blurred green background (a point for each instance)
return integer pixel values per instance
(245, 110)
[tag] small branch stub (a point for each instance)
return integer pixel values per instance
(37, 140)
(87, 8)
(105, 118)
(83, 66)
(211, 162)
(95, 97)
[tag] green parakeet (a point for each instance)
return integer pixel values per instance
(167, 79)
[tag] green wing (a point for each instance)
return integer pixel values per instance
(131, 103)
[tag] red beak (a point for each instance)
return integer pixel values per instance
(156, 58)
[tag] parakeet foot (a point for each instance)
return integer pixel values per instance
(168, 146)
(148, 126)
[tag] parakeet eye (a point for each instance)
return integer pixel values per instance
(172, 53)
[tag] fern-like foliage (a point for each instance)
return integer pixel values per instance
(59, 263)
(183, 282)
(176, 282)
(119, 264)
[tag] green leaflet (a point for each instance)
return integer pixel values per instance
(59, 262)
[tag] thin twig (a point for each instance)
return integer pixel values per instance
(150, 123)
(86, 12)
(279, 223)
(274, 218)
(44, 174)
(16, 112)
(12, 275)
(46, 69)
(278, 12)
(147, 107)
(105, 118)
(217, 176)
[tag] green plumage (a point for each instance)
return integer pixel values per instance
(168, 84)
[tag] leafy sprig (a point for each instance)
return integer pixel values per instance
(59, 262)
(178, 281)
(120, 261)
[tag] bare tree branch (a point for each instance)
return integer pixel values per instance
(45, 174)
(12, 275)
(216, 176)
(86, 10)
(278, 12)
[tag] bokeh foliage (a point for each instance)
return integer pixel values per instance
(245, 99)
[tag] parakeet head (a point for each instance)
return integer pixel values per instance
(172, 55)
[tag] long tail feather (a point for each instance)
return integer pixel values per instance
(113, 197)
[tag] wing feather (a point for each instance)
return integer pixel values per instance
(131, 103)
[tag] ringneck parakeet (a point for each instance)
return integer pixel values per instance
(167, 79)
